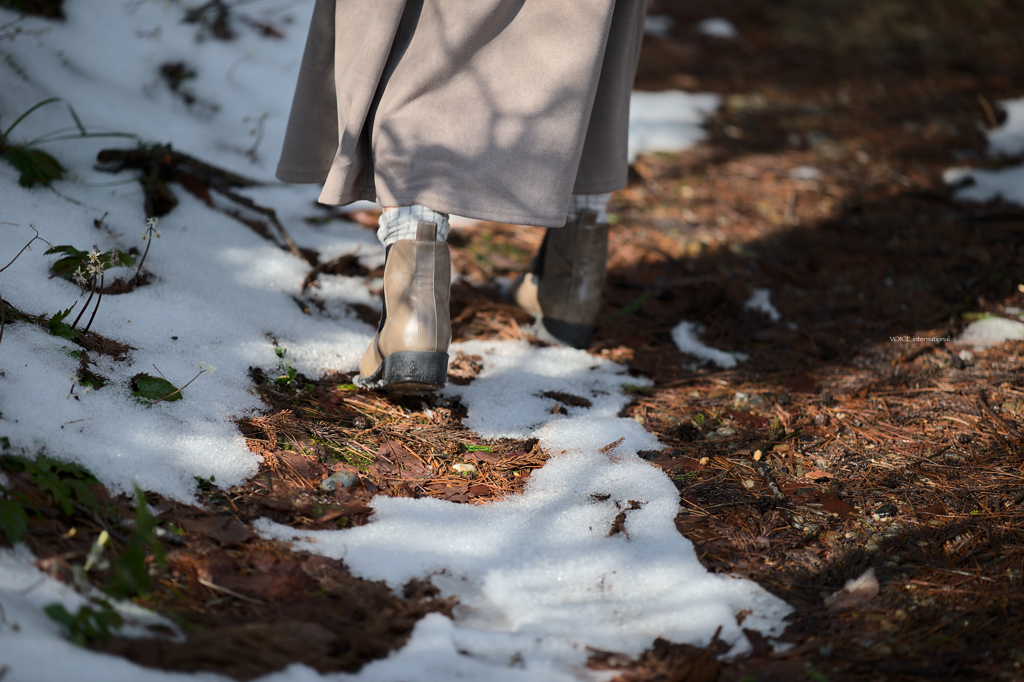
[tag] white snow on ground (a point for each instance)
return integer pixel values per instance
(761, 301)
(669, 121)
(535, 567)
(686, 334)
(991, 331)
(612, 593)
(1008, 139)
(717, 27)
(1006, 183)
(659, 25)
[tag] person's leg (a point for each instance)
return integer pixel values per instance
(409, 353)
(563, 286)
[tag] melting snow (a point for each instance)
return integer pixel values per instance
(669, 121)
(1007, 183)
(760, 300)
(658, 25)
(538, 576)
(717, 27)
(990, 332)
(687, 340)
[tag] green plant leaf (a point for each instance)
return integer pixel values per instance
(60, 614)
(58, 327)
(36, 166)
(88, 624)
(477, 448)
(62, 480)
(152, 388)
(129, 571)
(13, 520)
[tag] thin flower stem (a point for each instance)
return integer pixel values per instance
(32, 227)
(179, 390)
(3, 306)
(98, 299)
(138, 270)
(86, 306)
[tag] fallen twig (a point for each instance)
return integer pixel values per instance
(160, 164)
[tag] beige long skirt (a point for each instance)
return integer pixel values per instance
(491, 109)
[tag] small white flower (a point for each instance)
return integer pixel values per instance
(152, 221)
(157, 233)
(79, 277)
(95, 269)
(203, 367)
(94, 256)
(145, 236)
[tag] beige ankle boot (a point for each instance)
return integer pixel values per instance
(564, 284)
(409, 354)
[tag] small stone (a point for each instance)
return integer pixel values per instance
(887, 510)
(464, 468)
(339, 479)
(757, 401)
(747, 483)
(757, 455)
(704, 461)
(740, 400)
(871, 545)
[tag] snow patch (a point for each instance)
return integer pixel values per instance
(717, 27)
(669, 121)
(984, 185)
(760, 301)
(991, 331)
(659, 25)
(587, 556)
(686, 336)
(1008, 139)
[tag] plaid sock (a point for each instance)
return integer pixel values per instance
(400, 223)
(598, 203)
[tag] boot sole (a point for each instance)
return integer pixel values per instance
(409, 373)
(564, 333)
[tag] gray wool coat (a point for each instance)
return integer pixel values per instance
(491, 109)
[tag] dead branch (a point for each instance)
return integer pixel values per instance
(160, 165)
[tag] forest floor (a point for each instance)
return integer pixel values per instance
(841, 446)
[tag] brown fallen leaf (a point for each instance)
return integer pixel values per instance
(397, 453)
(224, 529)
(831, 502)
(482, 456)
(817, 474)
(611, 446)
